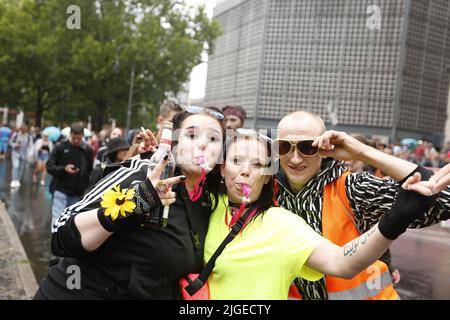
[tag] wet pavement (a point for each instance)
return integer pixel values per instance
(30, 210)
(422, 256)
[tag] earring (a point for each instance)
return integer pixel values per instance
(222, 181)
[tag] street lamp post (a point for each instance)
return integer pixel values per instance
(130, 97)
(130, 93)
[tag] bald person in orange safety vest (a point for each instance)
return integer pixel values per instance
(314, 183)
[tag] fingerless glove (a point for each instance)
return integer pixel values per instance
(408, 206)
(146, 200)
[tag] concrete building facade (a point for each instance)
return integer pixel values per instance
(379, 66)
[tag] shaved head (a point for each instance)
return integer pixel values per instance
(302, 123)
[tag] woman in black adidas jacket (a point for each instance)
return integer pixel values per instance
(132, 257)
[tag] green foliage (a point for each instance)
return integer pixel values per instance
(69, 75)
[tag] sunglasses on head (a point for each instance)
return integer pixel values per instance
(304, 147)
(196, 109)
(251, 132)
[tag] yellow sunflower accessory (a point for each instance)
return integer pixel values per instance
(117, 201)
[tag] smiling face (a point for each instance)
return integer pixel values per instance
(200, 136)
(245, 164)
(299, 169)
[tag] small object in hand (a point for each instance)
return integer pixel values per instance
(162, 187)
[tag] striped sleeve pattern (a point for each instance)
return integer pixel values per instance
(125, 176)
(370, 197)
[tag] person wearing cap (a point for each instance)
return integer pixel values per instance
(101, 153)
(234, 116)
(116, 151)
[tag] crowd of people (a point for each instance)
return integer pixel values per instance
(314, 229)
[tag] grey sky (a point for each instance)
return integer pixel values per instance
(198, 75)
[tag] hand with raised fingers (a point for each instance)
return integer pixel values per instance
(413, 200)
(119, 207)
(148, 143)
(438, 182)
(163, 188)
(339, 145)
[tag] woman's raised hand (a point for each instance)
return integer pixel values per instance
(164, 187)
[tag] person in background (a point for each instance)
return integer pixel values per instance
(435, 160)
(93, 142)
(116, 132)
(5, 133)
(116, 152)
(36, 133)
(42, 149)
(166, 113)
(101, 152)
(70, 164)
(234, 116)
(134, 139)
(22, 145)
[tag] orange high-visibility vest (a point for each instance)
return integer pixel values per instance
(339, 227)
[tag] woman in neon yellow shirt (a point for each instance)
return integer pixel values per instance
(277, 246)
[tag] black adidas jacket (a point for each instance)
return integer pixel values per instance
(138, 262)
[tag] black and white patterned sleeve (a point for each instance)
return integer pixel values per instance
(66, 240)
(370, 197)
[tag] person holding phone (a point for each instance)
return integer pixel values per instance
(70, 163)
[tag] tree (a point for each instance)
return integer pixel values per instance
(71, 74)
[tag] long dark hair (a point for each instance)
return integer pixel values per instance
(267, 198)
(212, 178)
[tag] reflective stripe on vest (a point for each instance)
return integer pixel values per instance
(365, 290)
(339, 227)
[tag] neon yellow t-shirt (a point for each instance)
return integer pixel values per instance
(264, 259)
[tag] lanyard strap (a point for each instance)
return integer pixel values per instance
(190, 215)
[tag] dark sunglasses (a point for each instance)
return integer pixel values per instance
(197, 109)
(304, 147)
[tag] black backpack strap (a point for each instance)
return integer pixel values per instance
(190, 216)
(197, 284)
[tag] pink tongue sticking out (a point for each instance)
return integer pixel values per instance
(247, 190)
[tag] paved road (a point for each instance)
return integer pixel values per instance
(30, 210)
(422, 256)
